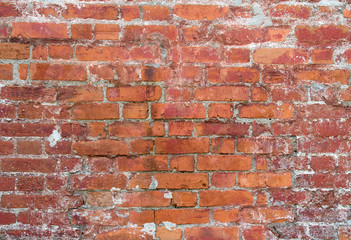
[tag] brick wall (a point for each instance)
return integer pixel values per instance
(175, 120)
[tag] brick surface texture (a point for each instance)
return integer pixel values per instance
(197, 120)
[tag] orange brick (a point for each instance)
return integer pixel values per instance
(199, 12)
(224, 163)
(39, 30)
(212, 233)
(225, 93)
(92, 111)
(179, 146)
(6, 71)
(280, 56)
(152, 12)
(228, 198)
(130, 12)
(106, 32)
(322, 56)
(143, 163)
(184, 199)
(266, 111)
(222, 145)
(182, 180)
(223, 180)
(182, 216)
(134, 93)
(264, 179)
(135, 110)
(182, 163)
(60, 51)
(180, 128)
(267, 215)
(226, 215)
(220, 110)
(81, 31)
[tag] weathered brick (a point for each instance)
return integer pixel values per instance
(177, 110)
(212, 233)
(199, 12)
(228, 198)
(224, 163)
(39, 30)
(89, 111)
(180, 146)
(101, 148)
(182, 180)
(98, 182)
(182, 216)
(94, 11)
(63, 72)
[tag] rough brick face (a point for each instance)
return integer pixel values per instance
(175, 120)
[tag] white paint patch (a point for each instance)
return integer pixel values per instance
(168, 195)
(54, 138)
(259, 17)
(153, 184)
(330, 3)
(237, 2)
(149, 228)
(169, 225)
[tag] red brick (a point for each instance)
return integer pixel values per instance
(180, 128)
(321, 35)
(197, 233)
(91, 111)
(327, 77)
(30, 184)
(26, 129)
(184, 199)
(140, 218)
(80, 94)
(266, 111)
(30, 111)
(344, 233)
(140, 181)
(29, 147)
(142, 146)
(238, 35)
(143, 199)
(179, 146)
(277, 34)
(40, 53)
(222, 93)
(182, 163)
(346, 94)
(223, 129)
(101, 217)
(177, 110)
(150, 32)
(220, 110)
(100, 164)
(280, 56)
(23, 71)
(63, 72)
(7, 183)
(98, 182)
(132, 129)
(322, 56)
(135, 110)
(143, 163)
(101, 148)
(81, 31)
(182, 180)
(200, 54)
(210, 198)
(275, 146)
(106, 32)
(153, 74)
(60, 51)
(199, 12)
(7, 218)
(101, 53)
(152, 12)
(125, 233)
(130, 12)
(238, 55)
(134, 93)
(28, 165)
(164, 233)
(94, 11)
(14, 51)
(224, 163)
(6, 148)
(182, 216)
(226, 215)
(233, 75)
(6, 71)
(222, 145)
(38, 94)
(8, 10)
(223, 180)
(275, 179)
(318, 145)
(39, 30)
(292, 11)
(151, 53)
(267, 215)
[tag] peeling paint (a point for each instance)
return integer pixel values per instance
(54, 138)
